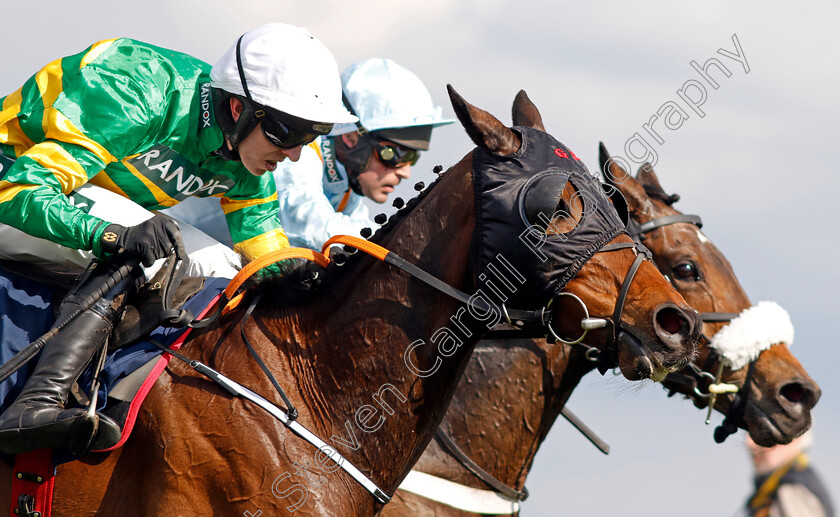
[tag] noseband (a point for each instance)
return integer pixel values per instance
(605, 361)
(692, 376)
(610, 358)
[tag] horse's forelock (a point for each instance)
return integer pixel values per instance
(655, 192)
(650, 182)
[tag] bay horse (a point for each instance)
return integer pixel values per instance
(354, 349)
(781, 393)
(514, 389)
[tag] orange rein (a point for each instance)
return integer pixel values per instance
(322, 259)
(368, 247)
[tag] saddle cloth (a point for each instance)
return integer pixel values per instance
(26, 313)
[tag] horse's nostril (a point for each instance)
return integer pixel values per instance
(794, 392)
(671, 320)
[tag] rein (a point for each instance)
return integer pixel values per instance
(605, 361)
(524, 319)
(229, 299)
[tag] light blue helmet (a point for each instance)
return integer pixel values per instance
(391, 102)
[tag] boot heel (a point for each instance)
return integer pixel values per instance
(82, 433)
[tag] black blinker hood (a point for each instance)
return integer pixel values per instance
(502, 183)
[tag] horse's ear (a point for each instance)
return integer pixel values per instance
(483, 128)
(648, 178)
(525, 113)
(650, 182)
(612, 172)
(615, 175)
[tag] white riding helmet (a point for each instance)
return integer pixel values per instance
(385, 95)
(285, 68)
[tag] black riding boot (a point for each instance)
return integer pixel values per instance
(37, 419)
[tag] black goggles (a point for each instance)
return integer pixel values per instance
(287, 132)
(393, 155)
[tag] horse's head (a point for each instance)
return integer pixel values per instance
(781, 393)
(533, 196)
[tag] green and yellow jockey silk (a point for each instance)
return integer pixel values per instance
(134, 119)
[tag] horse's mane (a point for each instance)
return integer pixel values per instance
(399, 215)
(303, 281)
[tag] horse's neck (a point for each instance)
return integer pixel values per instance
(504, 406)
(347, 352)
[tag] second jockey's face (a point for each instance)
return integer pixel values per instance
(379, 180)
(258, 155)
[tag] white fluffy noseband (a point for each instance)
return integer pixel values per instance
(754, 330)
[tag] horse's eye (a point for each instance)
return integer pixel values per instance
(542, 200)
(686, 271)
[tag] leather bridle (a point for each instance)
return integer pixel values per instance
(610, 358)
(605, 361)
(692, 377)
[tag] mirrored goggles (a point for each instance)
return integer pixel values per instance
(287, 132)
(393, 155)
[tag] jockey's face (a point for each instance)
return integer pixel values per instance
(258, 155)
(379, 180)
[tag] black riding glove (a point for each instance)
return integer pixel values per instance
(150, 240)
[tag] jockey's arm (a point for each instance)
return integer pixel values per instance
(250, 209)
(62, 134)
(34, 195)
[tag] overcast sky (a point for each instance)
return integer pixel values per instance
(760, 167)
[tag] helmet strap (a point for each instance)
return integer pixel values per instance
(242, 70)
(229, 153)
(234, 130)
(355, 159)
